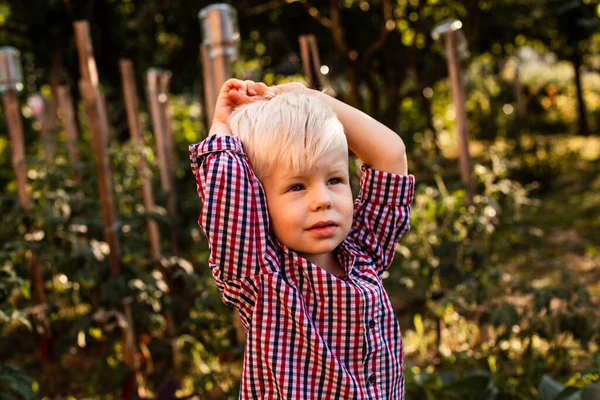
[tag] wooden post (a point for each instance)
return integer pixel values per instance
(17, 144)
(164, 83)
(10, 80)
(158, 83)
(103, 113)
(48, 133)
(98, 122)
(155, 101)
(132, 107)
(153, 76)
(15, 131)
(311, 62)
(129, 348)
(218, 50)
(220, 57)
(67, 114)
(8, 60)
(163, 98)
(221, 66)
(458, 99)
(47, 124)
(210, 90)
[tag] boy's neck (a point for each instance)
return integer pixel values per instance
(327, 261)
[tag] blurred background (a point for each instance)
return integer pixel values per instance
(105, 291)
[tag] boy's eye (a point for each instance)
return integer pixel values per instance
(335, 181)
(295, 188)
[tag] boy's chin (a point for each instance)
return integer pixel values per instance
(316, 251)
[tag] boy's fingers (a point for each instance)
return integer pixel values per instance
(231, 83)
(235, 96)
(260, 88)
(240, 97)
(250, 85)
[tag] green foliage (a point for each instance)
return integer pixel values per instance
(585, 388)
(63, 233)
(10, 283)
(462, 274)
(479, 384)
(540, 160)
(453, 261)
(14, 384)
(451, 239)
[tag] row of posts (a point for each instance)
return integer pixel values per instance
(218, 51)
(217, 58)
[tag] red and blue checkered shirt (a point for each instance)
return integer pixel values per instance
(311, 334)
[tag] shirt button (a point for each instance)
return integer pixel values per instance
(371, 324)
(372, 379)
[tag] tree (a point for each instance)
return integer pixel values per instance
(567, 28)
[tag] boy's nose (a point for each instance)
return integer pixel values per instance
(321, 198)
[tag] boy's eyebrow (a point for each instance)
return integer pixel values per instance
(294, 177)
(340, 166)
(335, 168)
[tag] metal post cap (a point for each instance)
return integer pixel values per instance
(444, 27)
(452, 26)
(11, 74)
(220, 31)
(219, 24)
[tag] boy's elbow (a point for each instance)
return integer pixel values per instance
(388, 155)
(403, 160)
(397, 160)
(400, 149)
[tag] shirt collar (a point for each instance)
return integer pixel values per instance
(344, 255)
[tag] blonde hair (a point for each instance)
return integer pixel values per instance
(291, 129)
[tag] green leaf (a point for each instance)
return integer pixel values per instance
(591, 392)
(549, 388)
(14, 383)
(470, 387)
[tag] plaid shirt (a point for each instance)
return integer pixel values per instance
(311, 334)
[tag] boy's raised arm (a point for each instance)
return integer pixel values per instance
(374, 143)
(234, 213)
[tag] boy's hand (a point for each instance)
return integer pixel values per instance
(233, 94)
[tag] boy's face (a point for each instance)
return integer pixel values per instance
(311, 213)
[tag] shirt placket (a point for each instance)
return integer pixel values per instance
(370, 319)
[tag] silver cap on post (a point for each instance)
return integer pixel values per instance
(11, 74)
(452, 25)
(220, 30)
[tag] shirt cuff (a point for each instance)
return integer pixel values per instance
(386, 188)
(215, 143)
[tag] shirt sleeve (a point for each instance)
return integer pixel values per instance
(381, 214)
(234, 215)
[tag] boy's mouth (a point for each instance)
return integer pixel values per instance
(323, 229)
(323, 224)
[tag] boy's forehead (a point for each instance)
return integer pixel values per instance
(334, 161)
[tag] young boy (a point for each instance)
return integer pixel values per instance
(292, 251)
